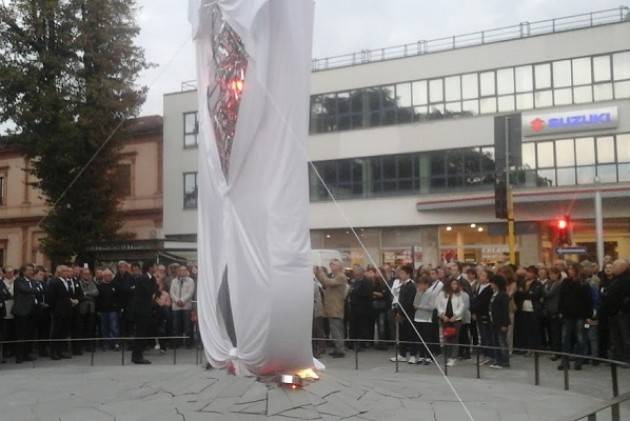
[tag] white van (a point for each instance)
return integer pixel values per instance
(323, 257)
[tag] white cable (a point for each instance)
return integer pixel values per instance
(365, 250)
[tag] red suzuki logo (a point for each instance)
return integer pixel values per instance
(537, 124)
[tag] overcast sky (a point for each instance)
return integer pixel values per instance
(343, 26)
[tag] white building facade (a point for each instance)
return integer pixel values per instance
(404, 139)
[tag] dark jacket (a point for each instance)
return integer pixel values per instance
(480, 304)
(125, 284)
(617, 298)
(59, 296)
(361, 297)
(575, 300)
(406, 296)
(551, 294)
(25, 301)
(5, 294)
(142, 301)
(500, 310)
(535, 294)
(108, 299)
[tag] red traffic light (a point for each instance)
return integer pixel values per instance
(562, 224)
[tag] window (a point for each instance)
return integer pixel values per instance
(419, 90)
(453, 88)
(190, 190)
(3, 190)
(566, 177)
(529, 155)
(605, 150)
(545, 154)
(505, 81)
(525, 101)
(562, 96)
(565, 154)
(524, 79)
(191, 130)
(603, 92)
(561, 73)
(542, 73)
(582, 71)
(122, 179)
(543, 99)
(621, 65)
(622, 89)
(470, 86)
(582, 94)
(601, 68)
(487, 84)
(623, 148)
(585, 151)
(436, 90)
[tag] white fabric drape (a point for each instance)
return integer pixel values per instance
(256, 224)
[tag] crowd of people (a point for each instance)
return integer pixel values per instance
(41, 311)
(566, 308)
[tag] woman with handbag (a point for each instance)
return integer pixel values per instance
(451, 309)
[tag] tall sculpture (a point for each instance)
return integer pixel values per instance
(255, 289)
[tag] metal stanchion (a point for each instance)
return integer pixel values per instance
(92, 354)
(565, 363)
(174, 355)
(536, 369)
(445, 353)
(615, 386)
(356, 356)
(122, 351)
(478, 362)
(397, 345)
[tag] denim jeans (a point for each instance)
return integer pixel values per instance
(573, 328)
(486, 333)
(500, 339)
(110, 326)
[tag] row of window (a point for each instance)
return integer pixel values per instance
(562, 162)
(567, 162)
(563, 82)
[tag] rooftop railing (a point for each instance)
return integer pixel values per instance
(522, 30)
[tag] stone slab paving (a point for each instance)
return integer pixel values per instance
(189, 393)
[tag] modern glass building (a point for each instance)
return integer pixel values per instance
(403, 138)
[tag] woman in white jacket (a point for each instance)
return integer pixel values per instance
(451, 308)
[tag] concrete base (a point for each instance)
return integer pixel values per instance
(189, 393)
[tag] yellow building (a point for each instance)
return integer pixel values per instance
(139, 176)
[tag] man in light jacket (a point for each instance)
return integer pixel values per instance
(334, 303)
(182, 292)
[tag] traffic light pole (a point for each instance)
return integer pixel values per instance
(510, 197)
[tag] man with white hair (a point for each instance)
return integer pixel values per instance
(334, 303)
(618, 309)
(108, 307)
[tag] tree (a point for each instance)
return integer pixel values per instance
(68, 80)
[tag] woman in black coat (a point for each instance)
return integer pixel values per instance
(529, 301)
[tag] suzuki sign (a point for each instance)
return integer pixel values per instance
(540, 124)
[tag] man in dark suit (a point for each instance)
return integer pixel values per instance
(42, 312)
(60, 297)
(24, 309)
(142, 309)
(124, 282)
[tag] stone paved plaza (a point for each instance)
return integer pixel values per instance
(73, 390)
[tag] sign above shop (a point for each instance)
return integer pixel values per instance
(571, 250)
(540, 124)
